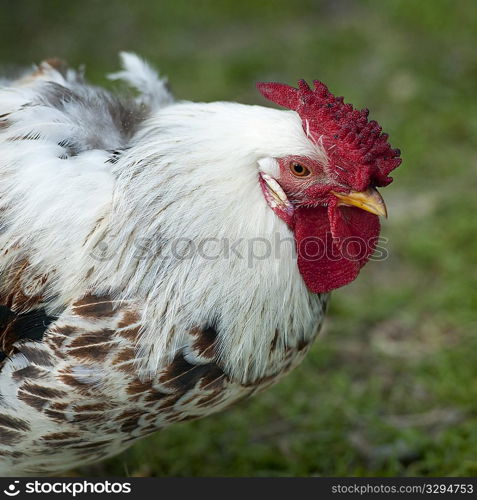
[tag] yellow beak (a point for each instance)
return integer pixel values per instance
(369, 200)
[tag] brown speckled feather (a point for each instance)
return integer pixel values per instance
(79, 389)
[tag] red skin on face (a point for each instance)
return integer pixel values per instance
(312, 189)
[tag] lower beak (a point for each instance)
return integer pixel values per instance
(369, 200)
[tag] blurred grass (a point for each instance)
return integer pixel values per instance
(391, 388)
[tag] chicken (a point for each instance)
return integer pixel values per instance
(161, 260)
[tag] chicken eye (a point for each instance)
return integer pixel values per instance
(299, 170)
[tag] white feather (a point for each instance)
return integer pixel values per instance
(138, 74)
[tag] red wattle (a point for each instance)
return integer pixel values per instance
(333, 244)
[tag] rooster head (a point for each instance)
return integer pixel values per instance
(330, 203)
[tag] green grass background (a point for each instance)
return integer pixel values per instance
(391, 387)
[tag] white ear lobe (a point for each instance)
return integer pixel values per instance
(269, 166)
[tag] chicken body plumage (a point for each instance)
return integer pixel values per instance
(144, 279)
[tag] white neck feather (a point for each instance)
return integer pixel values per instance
(192, 175)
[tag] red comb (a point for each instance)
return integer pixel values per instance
(359, 152)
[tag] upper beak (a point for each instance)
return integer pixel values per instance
(369, 200)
